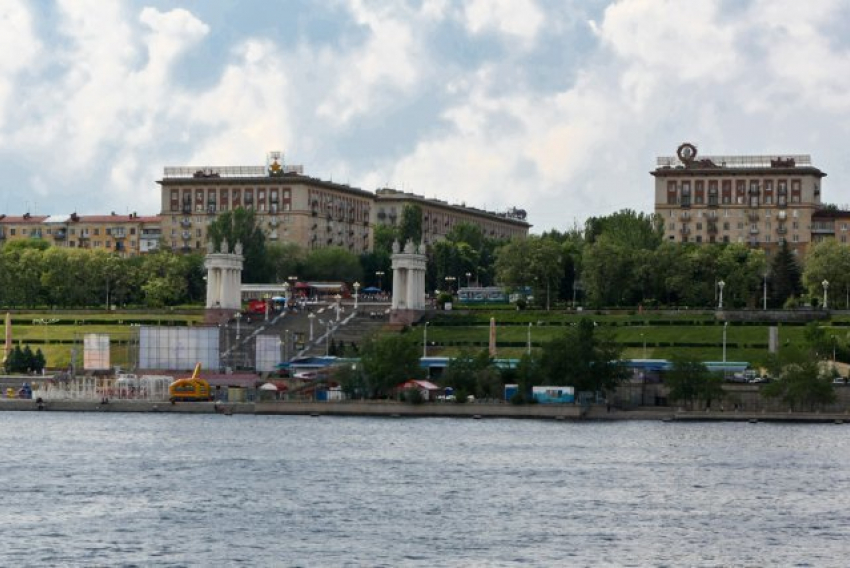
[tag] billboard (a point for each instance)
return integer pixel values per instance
(553, 395)
(267, 353)
(96, 352)
(178, 348)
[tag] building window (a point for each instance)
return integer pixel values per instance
(726, 226)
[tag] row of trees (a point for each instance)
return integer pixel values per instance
(586, 357)
(618, 260)
(622, 260)
(583, 356)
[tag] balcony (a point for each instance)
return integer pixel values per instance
(119, 233)
(85, 235)
(60, 234)
(754, 230)
(186, 223)
(753, 217)
(35, 234)
(273, 222)
(685, 230)
(711, 227)
(686, 214)
(186, 235)
(187, 209)
(781, 230)
(211, 209)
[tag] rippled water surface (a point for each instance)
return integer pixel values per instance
(211, 490)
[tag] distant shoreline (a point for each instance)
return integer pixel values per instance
(390, 409)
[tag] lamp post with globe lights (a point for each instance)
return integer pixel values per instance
(825, 285)
(721, 285)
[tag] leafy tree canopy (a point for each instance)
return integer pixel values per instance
(240, 225)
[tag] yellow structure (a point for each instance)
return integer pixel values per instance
(761, 201)
(124, 235)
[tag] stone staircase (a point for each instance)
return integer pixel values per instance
(293, 330)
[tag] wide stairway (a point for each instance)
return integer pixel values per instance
(349, 329)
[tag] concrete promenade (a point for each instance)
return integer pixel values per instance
(391, 409)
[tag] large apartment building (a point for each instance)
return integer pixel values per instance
(758, 200)
(293, 207)
(125, 235)
(439, 217)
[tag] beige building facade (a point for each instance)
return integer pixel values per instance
(761, 201)
(294, 208)
(439, 217)
(124, 235)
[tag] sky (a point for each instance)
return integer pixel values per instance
(558, 107)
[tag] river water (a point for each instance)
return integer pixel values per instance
(86, 489)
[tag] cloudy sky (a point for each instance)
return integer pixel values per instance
(559, 107)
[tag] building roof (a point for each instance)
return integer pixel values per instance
(514, 216)
(427, 385)
(830, 214)
(785, 164)
(74, 218)
(27, 218)
(253, 175)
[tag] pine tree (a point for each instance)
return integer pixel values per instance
(28, 360)
(39, 361)
(785, 278)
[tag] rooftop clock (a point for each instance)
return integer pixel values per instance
(686, 152)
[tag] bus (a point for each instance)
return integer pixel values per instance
(482, 295)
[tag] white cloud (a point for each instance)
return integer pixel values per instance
(370, 75)
(19, 50)
(519, 19)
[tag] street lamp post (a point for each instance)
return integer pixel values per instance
(725, 323)
(310, 317)
(720, 285)
(764, 296)
(356, 293)
(328, 339)
(338, 299)
(425, 339)
(529, 338)
(450, 283)
(468, 276)
(833, 350)
(380, 275)
(238, 317)
(825, 285)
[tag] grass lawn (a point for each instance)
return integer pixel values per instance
(58, 340)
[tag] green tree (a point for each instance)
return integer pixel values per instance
(535, 262)
(167, 282)
(240, 226)
(690, 380)
(333, 264)
(800, 380)
(785, 281)
(828, 260)
(583, 356)
(410, 226)
(387, 361)
(285, 260)
(627, 228)
(607, 267)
